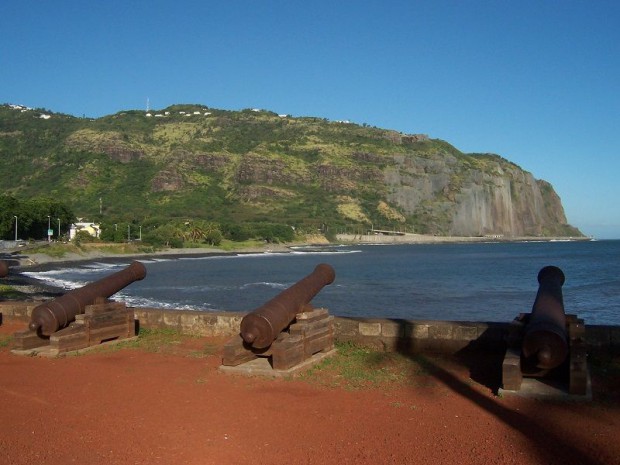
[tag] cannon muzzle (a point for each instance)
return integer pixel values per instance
(261, 327)
(51, 316)
(545, 342)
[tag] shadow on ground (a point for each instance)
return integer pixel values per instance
(484, 364)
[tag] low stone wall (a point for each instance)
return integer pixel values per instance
(385, 334)
(421, 335)
(17, 310)
(190, 322)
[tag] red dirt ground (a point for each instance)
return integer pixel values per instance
(130, 406)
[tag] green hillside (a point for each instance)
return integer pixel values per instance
(190, 163)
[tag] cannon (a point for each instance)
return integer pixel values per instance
(545, 340)
(4, 269)
(51, 316)
(547, 343)
(262, 326)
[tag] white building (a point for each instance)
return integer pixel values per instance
(91, 228)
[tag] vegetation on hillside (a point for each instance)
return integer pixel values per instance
(163, 176)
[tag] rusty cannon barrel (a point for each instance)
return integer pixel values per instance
(545, 342)
(58, 313)
(261, 327)
(4, 269)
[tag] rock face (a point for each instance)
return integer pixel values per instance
(500, 199)
(515, 204)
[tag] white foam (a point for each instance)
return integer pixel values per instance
(57, 282)
(324, 252)
(266, 284)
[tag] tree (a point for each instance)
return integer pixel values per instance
(202, 231)
(166, 235)
(34, 216)
(272, 232)
(237, 232)
(9, 208)
(214, 237)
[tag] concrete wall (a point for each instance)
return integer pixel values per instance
(385, 334)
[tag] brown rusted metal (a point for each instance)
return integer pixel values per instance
(51, 316)
(545, 343)
(262, 326)
(4, 269)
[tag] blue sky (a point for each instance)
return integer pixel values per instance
(536, 82)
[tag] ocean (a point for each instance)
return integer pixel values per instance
(462, 282)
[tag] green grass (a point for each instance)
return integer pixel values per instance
(55, 250)
(9, 293)
(58, 250)
(119, 249)
(229, 246)
(5, 341)
(162, 341)
(153, 340)
(358, 367)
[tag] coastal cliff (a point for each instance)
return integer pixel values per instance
(459, 199)
(194, 162)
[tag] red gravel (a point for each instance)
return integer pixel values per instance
(134, 407)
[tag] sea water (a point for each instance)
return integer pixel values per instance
(464, 282)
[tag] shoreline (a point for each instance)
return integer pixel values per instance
(20, 261)
(36, 289)
(25, 261)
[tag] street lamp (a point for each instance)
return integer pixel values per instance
(15, 227)
(49, 225)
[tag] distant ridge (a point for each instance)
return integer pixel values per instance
(195, 162)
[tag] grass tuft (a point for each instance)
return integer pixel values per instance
(166, 341)
(9, 293)
(357, 367)
(5, 341)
